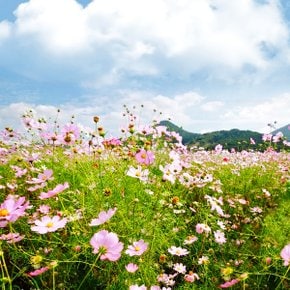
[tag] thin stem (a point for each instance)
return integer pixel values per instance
(89, 272)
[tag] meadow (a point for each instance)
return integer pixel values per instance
(81, 210)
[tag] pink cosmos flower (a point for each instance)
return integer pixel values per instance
(136, 287)
(59, 188)
(218, 148)
(38, 272)
(166, 279)
(137, 249)
(11, 238)
(107, 244)
(42, 177)
(44, 209)
(202, 228)
(19, 172)
(285, 255)
(279, 136)
(229, 283)
(190, 240)
(11, 209)
(36, 187)
(267, 137)
(178, 251)
(220, 237)
(191, 277)
(145, 157)
(179, 268)
(103, 217)
(131, 267)
(48, 224)
(70, 133)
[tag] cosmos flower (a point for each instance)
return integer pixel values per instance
(11, 209)
(59, 188)
(145, 157)
(107, 244)
(38, 272)
(137, 249)
(136, 287)
(103, 217)
(42, 177)
(178, 251)
(191, 277)
(285, 255)
(220, 237)
(48, 224)
(131, 267)
(138, 173)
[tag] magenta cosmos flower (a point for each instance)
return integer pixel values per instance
(145, 157)
(48, 224)
(38, 272)
(137, 249)
(11, 209)
(285, 255)
(107, 244)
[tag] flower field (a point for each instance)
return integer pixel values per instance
(79, 210)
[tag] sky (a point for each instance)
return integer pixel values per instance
(206, 65)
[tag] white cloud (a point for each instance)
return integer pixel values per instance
(212, 106)
(115, 38)
(5, 30)
(58, 26)
(193, 113)
(258, 115)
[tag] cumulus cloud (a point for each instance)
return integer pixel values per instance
(258, 115)
(5, 30)
(195, 113)
(212, 106)
(118, 38)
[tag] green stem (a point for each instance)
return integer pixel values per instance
(5, 272)
(89, 272)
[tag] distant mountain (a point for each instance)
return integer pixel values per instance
(285, 130)
(238, 139)
(187, 137)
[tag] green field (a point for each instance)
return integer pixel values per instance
(83, 211)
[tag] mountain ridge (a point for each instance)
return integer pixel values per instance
(234, 138)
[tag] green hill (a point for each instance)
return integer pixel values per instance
(238, 139)
(187, 137)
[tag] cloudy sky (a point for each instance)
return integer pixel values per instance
(206, 64)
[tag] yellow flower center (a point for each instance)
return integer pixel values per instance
(4, 212)
(137, 248)
(49, 225)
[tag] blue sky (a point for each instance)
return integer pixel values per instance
(206, 64)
